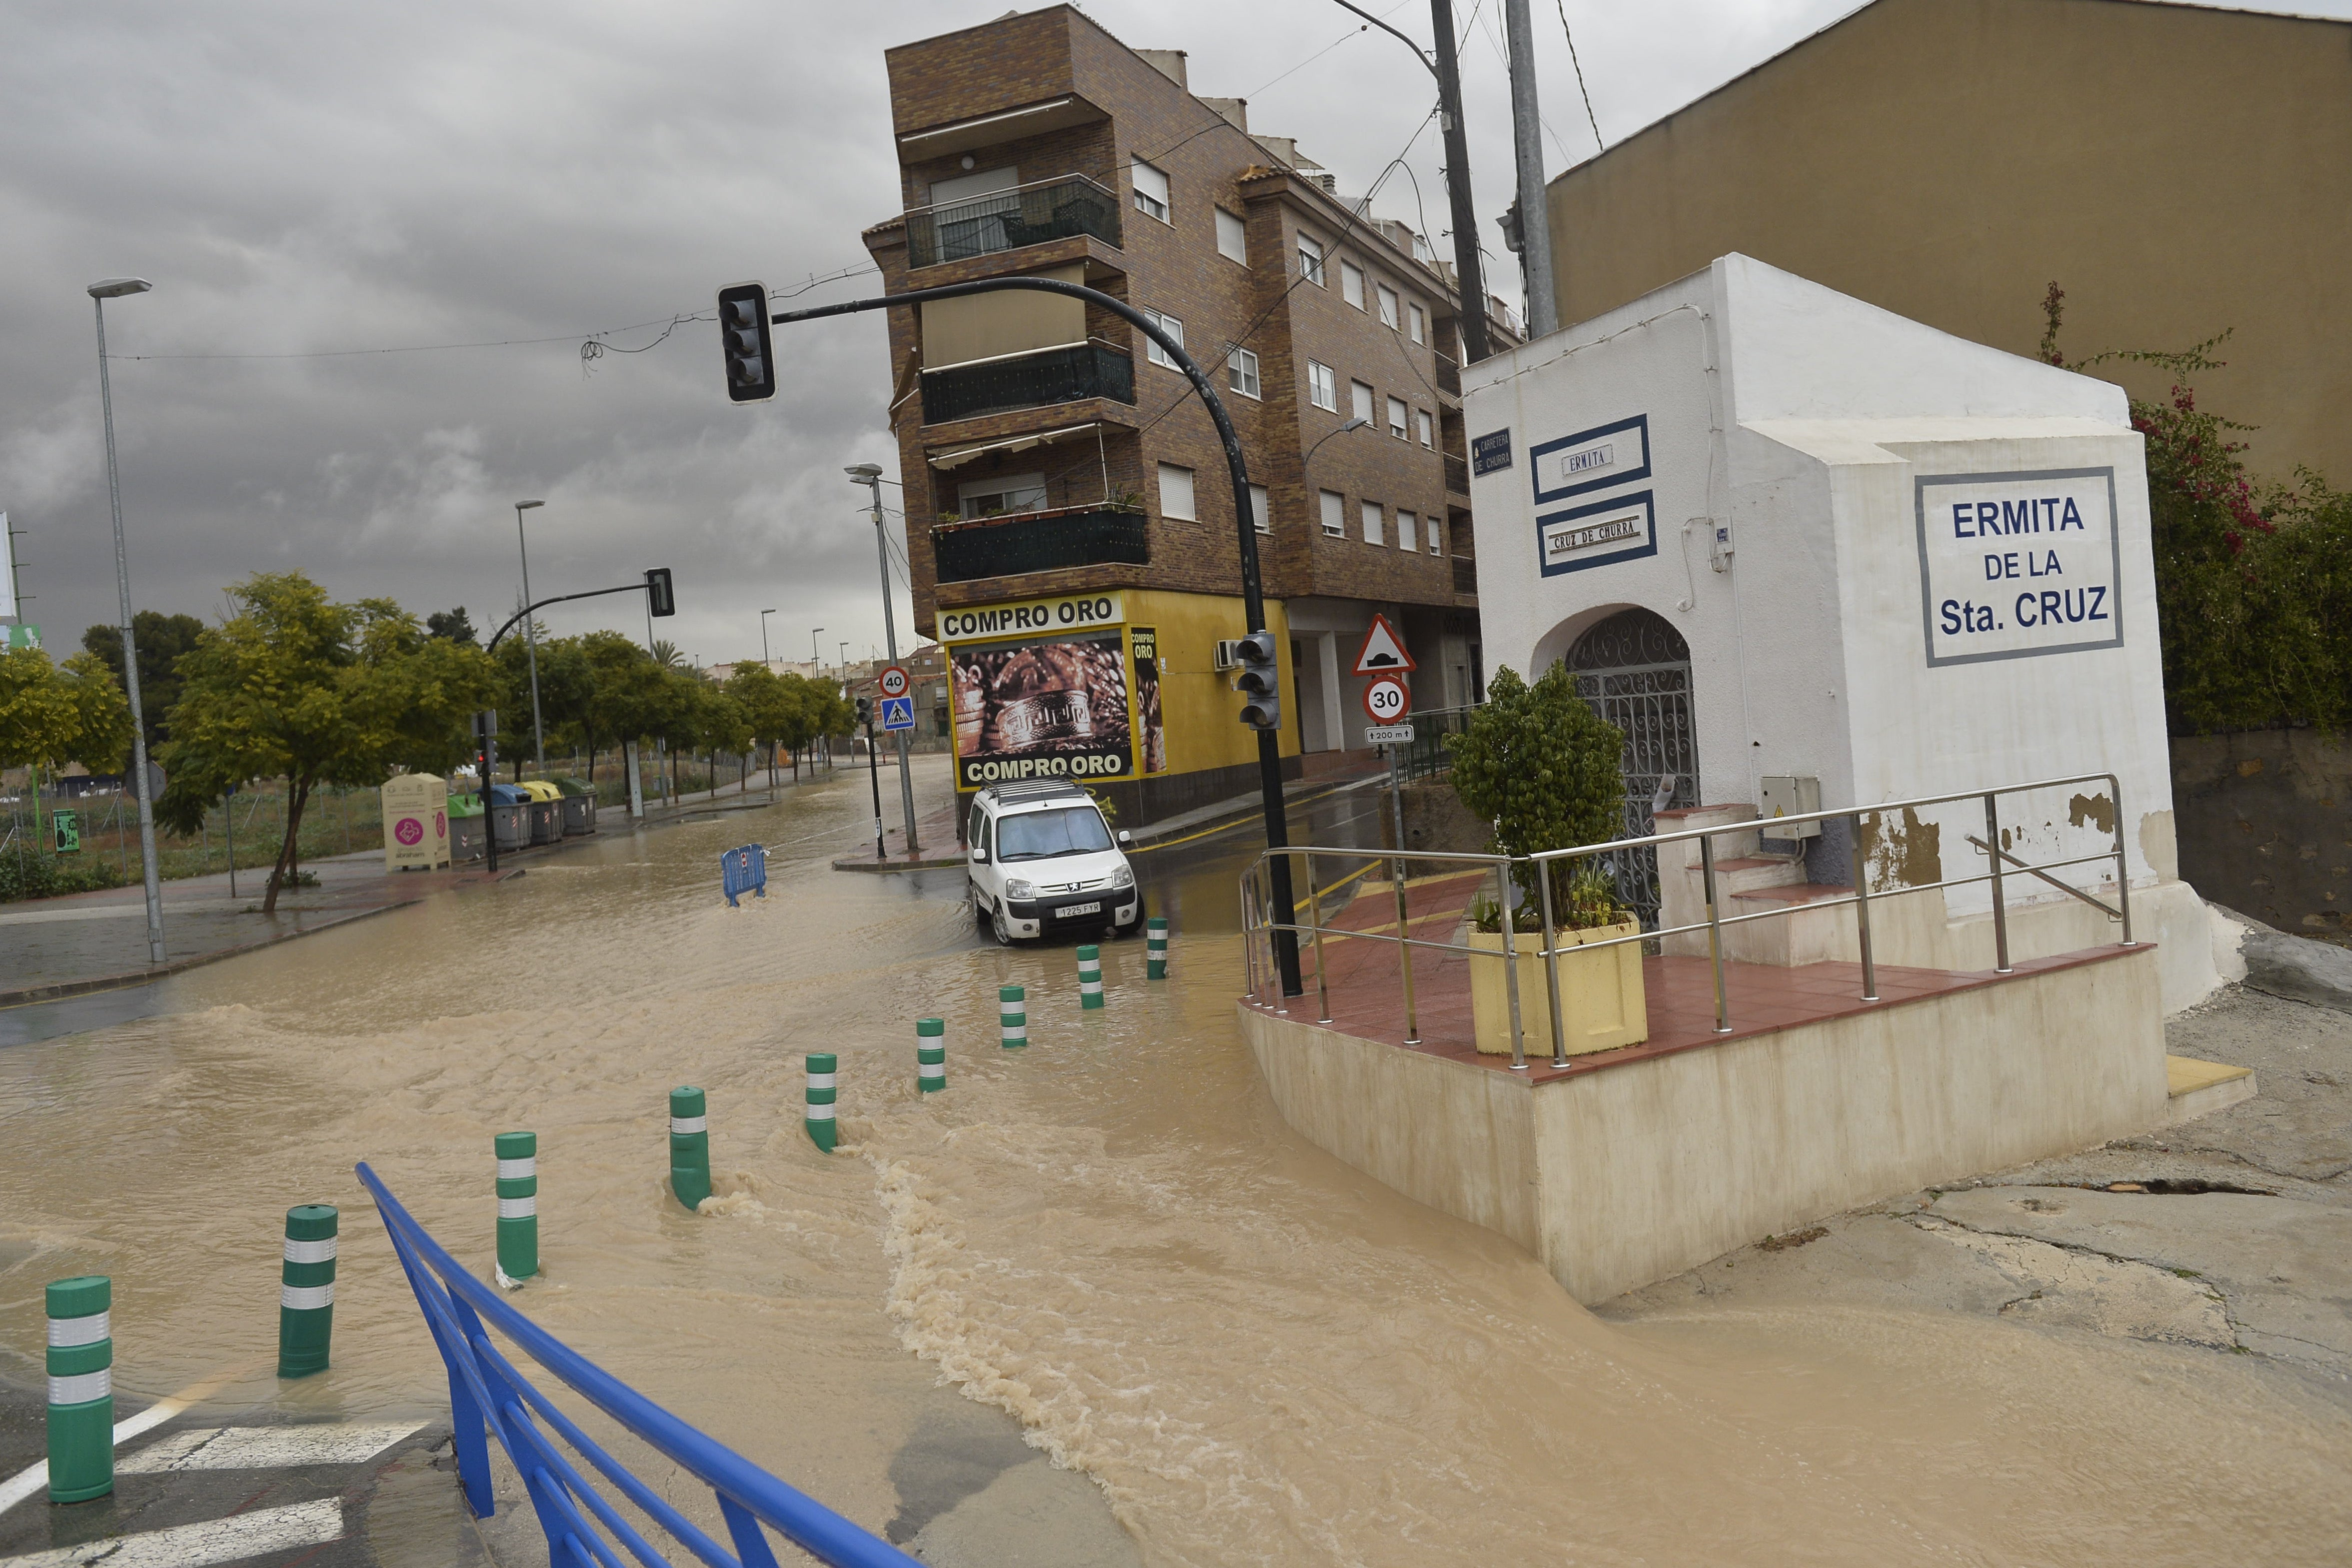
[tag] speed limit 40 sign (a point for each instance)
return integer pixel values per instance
(894, 681)
(1387, 699)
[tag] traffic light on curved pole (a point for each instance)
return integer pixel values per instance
(1260, 682)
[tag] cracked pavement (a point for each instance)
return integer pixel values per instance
(2244, 1248)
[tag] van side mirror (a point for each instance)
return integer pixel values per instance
(1126, 839)
(979, 855)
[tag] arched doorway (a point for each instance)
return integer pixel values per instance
(1636, 670)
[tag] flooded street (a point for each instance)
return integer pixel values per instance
(1261, 1355)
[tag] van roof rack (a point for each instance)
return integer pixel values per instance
(1037, 790)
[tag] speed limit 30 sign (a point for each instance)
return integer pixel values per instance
(894, 681)
(1387, 699)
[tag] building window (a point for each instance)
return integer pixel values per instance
(1436, 541)
(1408, 531)
(1417, 322)
(1241, 372)
(1232, 238)
(1364, 405)
(1168, 324)
(1371, 512)
(1322, 386)
(1310, 260)
(1335, 514)
(1428, 428)
(1398, 413)
(1176, 492)
(1262, 509)
(1001, 493)
(1150, 190)
(1351, 284)
(1389, 317)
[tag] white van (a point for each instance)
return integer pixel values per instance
(1043, 862)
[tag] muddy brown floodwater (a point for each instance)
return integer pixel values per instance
(1261, 1355)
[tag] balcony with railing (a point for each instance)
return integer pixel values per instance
(1466, 574)
(1008, 220)
(1449, 376)
(1018, 543)
(1457, 476)
(1067, 374)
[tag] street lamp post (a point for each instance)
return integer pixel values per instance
(764, 637)
(530, 640)
(99, 293)
(870, 475)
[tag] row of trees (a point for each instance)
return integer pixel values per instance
(294, 685)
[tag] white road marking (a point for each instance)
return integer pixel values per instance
(267, 1448)
(34, 1476)
(196, 1545)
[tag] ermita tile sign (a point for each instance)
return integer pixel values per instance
(2014, 565)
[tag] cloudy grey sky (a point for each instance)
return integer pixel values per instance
(300, 180)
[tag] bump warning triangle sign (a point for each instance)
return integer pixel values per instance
(1383, 651)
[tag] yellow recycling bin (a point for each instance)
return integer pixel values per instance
(416, 822)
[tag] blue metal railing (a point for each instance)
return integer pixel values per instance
(485, 1388)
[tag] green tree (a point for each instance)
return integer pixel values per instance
(295, 685)
(162, 640)
(454, 624)
(1543, 767)
(53, 716)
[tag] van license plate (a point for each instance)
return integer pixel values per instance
(1069, 909)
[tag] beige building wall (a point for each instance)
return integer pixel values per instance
(2177, 170)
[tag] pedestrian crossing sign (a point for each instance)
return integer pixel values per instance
(897, 713)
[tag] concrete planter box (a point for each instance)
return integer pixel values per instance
(1602, 1000)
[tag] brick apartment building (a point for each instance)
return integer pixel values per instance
(1070, 516)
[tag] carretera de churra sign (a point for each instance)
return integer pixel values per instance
(2014, 565)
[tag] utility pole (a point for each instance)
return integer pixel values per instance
(870, 475)
(530, 640)
(1526, 140)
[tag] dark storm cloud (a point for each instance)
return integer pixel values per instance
(297, 178)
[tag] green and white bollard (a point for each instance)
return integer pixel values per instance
(818, 1117)
(1155, 948)
(518, 1206)
(1013, 1007)
(1090, 995)
(931, 1054)
(306, 1291)
(689, 1145)
(81, 1388)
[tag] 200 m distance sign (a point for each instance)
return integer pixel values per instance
(2014, 565)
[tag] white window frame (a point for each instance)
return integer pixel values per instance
(1416, 322)
(1374, 517)
(1408, 532)
(1363, 402)
(1322, 386)
(1233, 237)
(1428, 427)
(1149, 184)
(1391, 309)
(1241, 372)
(1176, 491)
(1399, 418)
(1437, 537)
(1168, 324)
(1335, 514)
(1351, 284)
(1262, 509)
(1310, 259)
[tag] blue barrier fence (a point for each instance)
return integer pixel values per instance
(743, 870)
(486, 1389)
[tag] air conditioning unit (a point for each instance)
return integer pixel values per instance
(1229, 653)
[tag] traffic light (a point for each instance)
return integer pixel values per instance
(866, 712)
(659, 599)
(1260, 682)
(743, 341)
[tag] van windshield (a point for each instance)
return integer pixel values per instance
(1039, 835)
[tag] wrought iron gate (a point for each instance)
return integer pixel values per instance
(1635, 670)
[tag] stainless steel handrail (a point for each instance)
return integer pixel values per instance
(1714, 921)
(1011, 191)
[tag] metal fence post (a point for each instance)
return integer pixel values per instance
(1404, 960)
(1551, 967)
(1315, 926)
(1511, 968)
(2123, 870)
(1861, 909)
(1714, 932)
(2000, 905)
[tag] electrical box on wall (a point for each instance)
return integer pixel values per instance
(1786, 795)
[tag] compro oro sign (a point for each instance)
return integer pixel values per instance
(2012, 565)
(1046, 689)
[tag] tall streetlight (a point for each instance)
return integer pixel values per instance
(870, 475)
(99, 293)
(764, 660)
(530, 640)
(841, 669)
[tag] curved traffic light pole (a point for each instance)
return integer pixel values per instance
(1270, 745)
